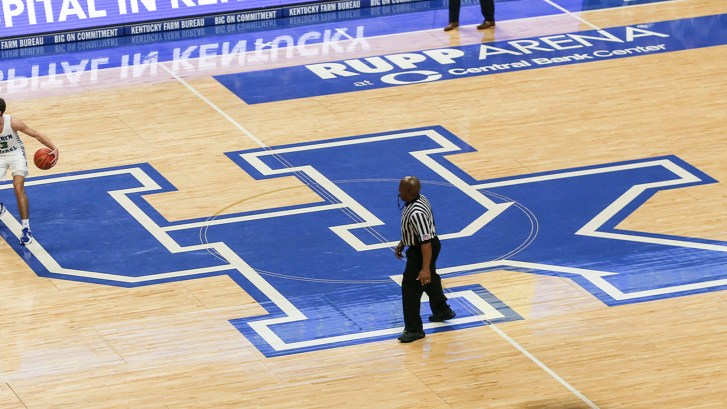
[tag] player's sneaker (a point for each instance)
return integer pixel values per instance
(26, 238)
(2, 209)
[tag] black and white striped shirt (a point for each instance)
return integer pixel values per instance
(417, 222)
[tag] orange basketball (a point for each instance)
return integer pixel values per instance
(43, 160)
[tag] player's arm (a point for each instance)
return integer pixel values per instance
(21, 126)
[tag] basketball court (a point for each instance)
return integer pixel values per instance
(219, 229)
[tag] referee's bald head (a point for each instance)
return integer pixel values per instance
(409, 187)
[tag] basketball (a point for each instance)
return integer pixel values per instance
(43, 160)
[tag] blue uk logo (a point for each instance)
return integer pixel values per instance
(325, 272)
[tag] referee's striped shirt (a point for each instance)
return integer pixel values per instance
(417, 222)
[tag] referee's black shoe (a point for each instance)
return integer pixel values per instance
(407, 336)
(444, 315)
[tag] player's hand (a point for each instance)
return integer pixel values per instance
(55, 153)
(399, 249)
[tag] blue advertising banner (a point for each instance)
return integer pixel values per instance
(474, 60)
(21, 17)
(25, 24)
(183, 47)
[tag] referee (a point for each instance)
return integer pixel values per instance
(419, 234)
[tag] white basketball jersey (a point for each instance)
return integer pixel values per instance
(10, 142)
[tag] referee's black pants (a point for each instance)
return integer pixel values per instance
(412, 289)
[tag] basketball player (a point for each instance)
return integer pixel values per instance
(12, 155)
